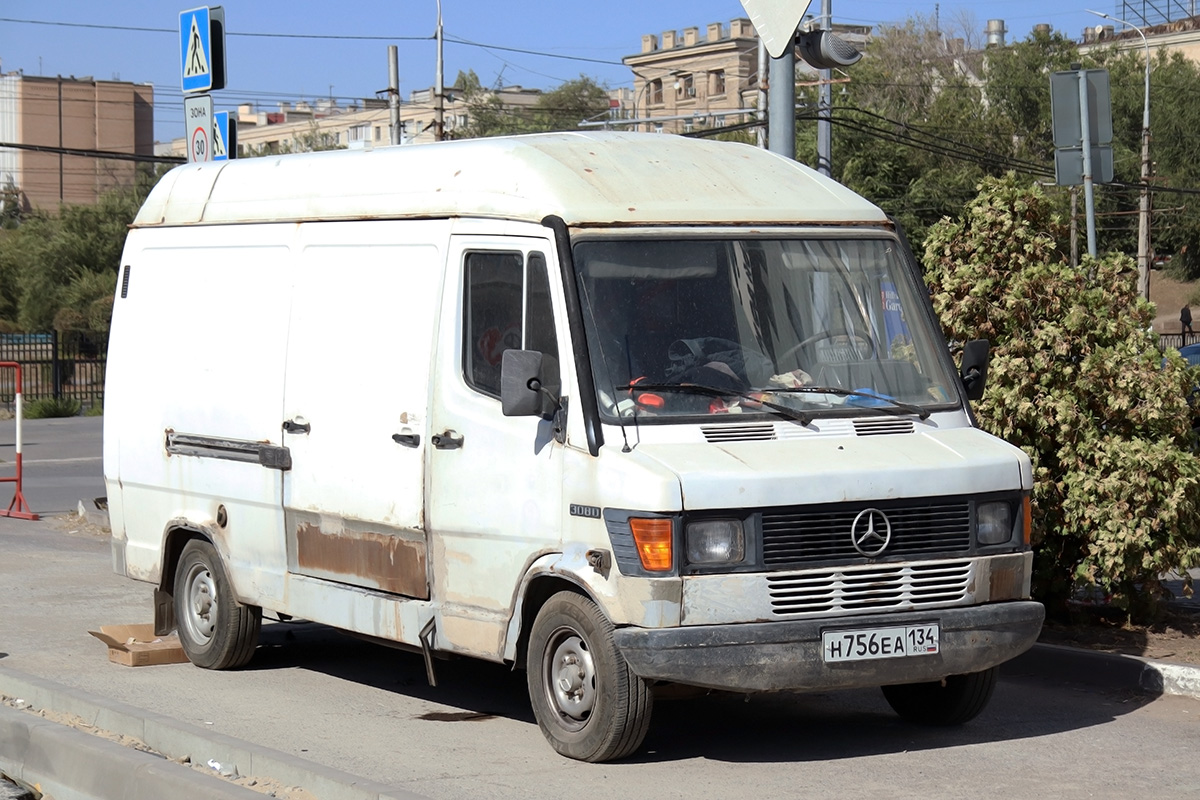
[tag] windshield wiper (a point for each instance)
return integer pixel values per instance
(894, 406)
(713, 391)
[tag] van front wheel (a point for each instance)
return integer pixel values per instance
(951, 701)
(589, 704)
(216, 631)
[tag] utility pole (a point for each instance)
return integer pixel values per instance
(393, 94)
(781, 123)
(763, 83)
(776, 24)
(1144, 200)
(825, 105)
(439, 98)
(1089, 203)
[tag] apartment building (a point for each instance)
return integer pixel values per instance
(1180, 35)
(684, 80)
(75, 113)
(323, 124)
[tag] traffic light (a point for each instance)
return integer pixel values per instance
(826, 50)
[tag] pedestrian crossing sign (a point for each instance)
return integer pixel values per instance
(202, 49)
(224, 138)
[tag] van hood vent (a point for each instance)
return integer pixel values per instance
(738, 433)
(882, 427)
(836, 427)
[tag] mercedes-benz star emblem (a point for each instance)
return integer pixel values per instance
(871, 532)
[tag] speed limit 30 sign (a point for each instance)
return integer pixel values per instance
(198, 123)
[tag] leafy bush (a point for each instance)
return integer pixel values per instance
(96, 410)
(52, 407)
(1077, 381)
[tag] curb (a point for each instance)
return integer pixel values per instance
(70, 764)
(1108, 670)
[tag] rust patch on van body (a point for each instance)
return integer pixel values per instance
(380, 561)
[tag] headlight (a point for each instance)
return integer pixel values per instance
(715, 541)
(993, 523)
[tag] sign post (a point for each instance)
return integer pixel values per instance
(209, 137)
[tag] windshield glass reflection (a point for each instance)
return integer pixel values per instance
(713, 326)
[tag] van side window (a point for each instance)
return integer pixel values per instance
(539, 314)
(506, 305)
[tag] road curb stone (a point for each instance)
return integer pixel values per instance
(1109, 670)
(21, 758)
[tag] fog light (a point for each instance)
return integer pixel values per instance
(715, 541)
(993, 523)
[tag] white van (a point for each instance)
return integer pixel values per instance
(619, 409)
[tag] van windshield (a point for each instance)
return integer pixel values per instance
(798, 327)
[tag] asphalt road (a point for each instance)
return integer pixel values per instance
(61, 462)
(367, 709)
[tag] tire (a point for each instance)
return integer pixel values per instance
(952, 701)
(589, 704)
(216, 631)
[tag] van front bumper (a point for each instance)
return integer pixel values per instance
(772, 656)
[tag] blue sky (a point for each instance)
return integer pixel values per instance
(587, 39)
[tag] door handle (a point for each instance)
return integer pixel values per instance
(407, 439)
(295, 426)
(446, 440)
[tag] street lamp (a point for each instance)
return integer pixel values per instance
(1144, 204)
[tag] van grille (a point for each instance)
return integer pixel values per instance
(799, 536)
(876, 588)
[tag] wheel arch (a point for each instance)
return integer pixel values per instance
(177, 533)
(539, 587)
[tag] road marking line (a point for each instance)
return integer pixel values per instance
(79, 460)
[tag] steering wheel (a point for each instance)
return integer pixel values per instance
(861, 341)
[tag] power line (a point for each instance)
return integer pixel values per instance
(319, 36)
(109, 154)
(136, 29)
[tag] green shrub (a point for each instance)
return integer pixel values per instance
(96, 410)
(51, 407)
(1077, 381)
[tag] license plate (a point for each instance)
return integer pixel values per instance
(865, 644)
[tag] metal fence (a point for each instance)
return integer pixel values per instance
(61, 365)
(1177, 340)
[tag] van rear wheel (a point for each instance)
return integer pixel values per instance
(952, 701)
(589, 704)
(216, 631)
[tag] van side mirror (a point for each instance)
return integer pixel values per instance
(523, 384)
(974, 367)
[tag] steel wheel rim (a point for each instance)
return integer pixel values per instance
(569, 677)
(200, 611)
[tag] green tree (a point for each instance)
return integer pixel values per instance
(562, 109)
(1077, 381)
(910, 125)
(59, 270)
(486, 114)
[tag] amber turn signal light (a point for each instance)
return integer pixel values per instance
(653, 540)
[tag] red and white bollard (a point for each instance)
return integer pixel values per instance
(18, 507)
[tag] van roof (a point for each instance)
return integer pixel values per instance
(585, 178)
